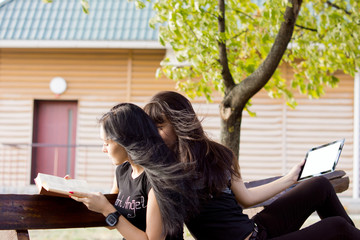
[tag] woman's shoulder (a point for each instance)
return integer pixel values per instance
(146, 185)
(121, 169)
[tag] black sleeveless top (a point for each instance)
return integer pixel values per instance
(219, 218)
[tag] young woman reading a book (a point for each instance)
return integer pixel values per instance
(221, 188)
(150, 181)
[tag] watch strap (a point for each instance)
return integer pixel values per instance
(113, 218)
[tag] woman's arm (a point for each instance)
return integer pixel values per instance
(114, 188)
(97, 202)
(154, 221)
(248, 197)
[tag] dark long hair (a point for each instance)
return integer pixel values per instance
(129, 126)
(214, 163)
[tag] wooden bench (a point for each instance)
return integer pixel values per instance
(20, 212)
(338, 179)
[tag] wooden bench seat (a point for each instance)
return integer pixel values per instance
(338, 179)
(20, 212)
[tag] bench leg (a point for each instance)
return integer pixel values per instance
(14, 235)
(22, 235)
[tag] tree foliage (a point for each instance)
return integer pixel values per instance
(235, 47)
(324, 39)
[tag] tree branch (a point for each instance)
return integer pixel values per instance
(247, 88)
(193, 33)
(241, 12)
(337, 7)
(306, 28)
(225, 72)
(237, 35)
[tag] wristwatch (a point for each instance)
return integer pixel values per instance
(113, 218)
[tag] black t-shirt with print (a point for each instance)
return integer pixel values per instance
(133, 195)
(132, 199)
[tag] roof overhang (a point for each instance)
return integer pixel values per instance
(80, 44)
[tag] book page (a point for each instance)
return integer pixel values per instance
(60, 185)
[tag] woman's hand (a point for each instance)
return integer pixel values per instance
(251, 196)
(293, 174)
(96, 202)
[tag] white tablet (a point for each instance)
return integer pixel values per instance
(322, 159)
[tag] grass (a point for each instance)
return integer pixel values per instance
(75, 234)
(106, 234)
(100, 233)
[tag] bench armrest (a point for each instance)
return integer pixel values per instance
(338, 179)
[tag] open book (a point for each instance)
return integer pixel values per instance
(58, 186)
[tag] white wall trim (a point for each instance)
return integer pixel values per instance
(356, 140)
(80, 44)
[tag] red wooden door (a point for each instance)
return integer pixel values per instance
(54, 136)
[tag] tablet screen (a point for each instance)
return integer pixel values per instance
(322, 159)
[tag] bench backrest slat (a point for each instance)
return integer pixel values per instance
(22, 212)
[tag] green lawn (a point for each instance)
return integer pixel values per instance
(106, 234)
(81, 234)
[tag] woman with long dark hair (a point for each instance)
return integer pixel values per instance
(150, 182)
(222, 192)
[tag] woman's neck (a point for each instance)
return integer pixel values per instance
(136, 170)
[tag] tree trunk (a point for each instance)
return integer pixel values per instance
(237, 95)
(230, 128)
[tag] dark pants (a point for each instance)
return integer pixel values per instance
(283, 218)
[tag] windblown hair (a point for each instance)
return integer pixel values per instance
(129, 126)
(213, 162)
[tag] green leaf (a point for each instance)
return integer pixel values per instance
(158, 73)
(139, 4)
(162, 41)
(85, 6)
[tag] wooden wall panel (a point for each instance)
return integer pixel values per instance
(91, 163)
(271, 143)
(144, 84)
(96, 78)
(15, 133)
(279, 137)
(26, 73)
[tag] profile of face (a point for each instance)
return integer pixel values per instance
(167, 133)
(115, 151)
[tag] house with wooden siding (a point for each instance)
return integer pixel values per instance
(60, 69)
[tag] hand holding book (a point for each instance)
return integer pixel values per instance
(57, 186)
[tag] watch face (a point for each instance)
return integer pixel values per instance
(111, 220)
